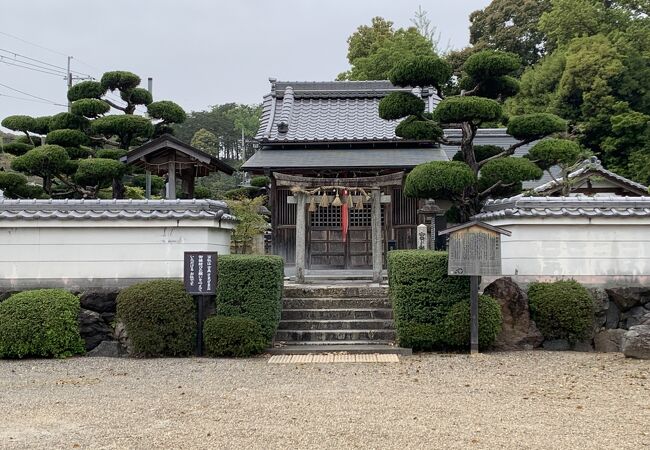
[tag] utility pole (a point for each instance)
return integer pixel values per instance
(147, 191)
(69, 81)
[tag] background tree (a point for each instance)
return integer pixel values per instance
(206, 141)
(478, 173)
(83, 145)
(374, 50)
(225, 122)
(511, 26)
(598, 78)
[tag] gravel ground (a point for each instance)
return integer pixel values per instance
(496, 400)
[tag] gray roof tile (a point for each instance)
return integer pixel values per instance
(113, 209)
(272, 158)
(578, 206)
(333, 111)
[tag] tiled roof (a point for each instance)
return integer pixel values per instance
(343, 158)
(588, 168)
(486, 136)
(332, 111)
(113, 209)
(579, 206)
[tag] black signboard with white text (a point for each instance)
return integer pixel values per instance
(200, 271)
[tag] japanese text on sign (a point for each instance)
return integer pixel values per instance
(200, 272)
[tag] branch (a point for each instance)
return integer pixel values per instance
(114, 105)
(490, 189)
(494, 186)
(444, 140)
(507, 152)
(105, 141)
(473, 91)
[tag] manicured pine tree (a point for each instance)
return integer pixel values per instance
(73, 162)
(477, 172)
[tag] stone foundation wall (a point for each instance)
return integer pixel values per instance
(621, 318)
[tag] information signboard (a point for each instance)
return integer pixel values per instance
(200, 269)
(475, 251)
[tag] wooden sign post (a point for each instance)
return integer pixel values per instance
(200, 276)
(474, 251)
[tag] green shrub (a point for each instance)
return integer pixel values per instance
(436, 179)
(159, 317)
(561, 310)
(422, 293)
(17, 148)
(535, 126)
(232, 336)
(251, 286)
(468, 109)
(260, 181)
(242, 192)
(400, 104)
(457, 328)
(419, 336)
(40, 323)
(414, 128)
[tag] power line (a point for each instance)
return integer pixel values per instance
(38, 66)
(61, 68)
(3, 60)
(30, 95)
(31, 43)
(30, 100)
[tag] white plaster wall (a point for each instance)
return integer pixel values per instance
(599, 251)
(101, 253)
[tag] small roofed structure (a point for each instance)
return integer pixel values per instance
(168, 155)
(591, 178)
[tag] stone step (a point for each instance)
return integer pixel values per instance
(334, 335)
(338, 344)
(336, 325)
(305, 291)
(352, 348)
(335, 303)
(337, 314)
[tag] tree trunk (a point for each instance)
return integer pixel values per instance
(118, 188)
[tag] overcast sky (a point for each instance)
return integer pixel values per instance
(199, 52)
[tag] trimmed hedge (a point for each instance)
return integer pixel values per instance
(420, 336)
(457, 327)
(422, 294)
(232, 336)
(40, 323)
(159, 317)
(561, 310)
(251, 286)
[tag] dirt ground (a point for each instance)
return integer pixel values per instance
(497, 400)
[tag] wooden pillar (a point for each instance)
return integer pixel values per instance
(301, 231)
(188, 183)
(171, 180)
(377, 244)
(147, 192)
(474, 282)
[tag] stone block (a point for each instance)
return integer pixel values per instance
(613, 316)
(109, 349)
(608, 341)
(518, 332)
(636, 342)
(93, 329)
(101, 301)
(627, 298)
(556, 345)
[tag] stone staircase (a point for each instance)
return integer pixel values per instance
(347, 318)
